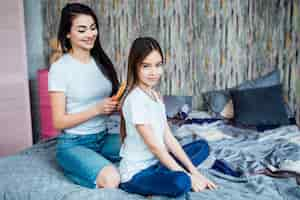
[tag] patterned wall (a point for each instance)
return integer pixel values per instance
(208, 44)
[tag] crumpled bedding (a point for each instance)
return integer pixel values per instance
(34, 175)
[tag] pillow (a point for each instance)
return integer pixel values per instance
(270, 79)
(175, 104)
(217, 100)
(259, 106)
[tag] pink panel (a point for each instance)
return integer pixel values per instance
(15, 119)
(47, 129)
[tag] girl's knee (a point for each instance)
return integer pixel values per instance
(108, 177)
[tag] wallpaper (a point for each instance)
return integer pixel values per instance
(208, 44)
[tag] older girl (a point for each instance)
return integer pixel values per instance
(80, 85)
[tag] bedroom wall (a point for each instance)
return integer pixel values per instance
(209, 44)
(15, 121)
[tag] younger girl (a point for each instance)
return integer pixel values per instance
(153, 162)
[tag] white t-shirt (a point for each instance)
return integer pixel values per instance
(84, 85)
(139, 108)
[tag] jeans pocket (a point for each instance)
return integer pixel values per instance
(66, 140)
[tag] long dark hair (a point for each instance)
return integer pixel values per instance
(69, 12)
(139, 50)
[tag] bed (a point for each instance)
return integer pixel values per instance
(33, 174)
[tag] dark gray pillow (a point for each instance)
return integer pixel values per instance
(259, 106)
(216, 100)
(174, 104)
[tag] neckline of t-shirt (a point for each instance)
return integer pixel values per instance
(142, 91)
(78, 62)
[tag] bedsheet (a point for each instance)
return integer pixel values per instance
(33, 174)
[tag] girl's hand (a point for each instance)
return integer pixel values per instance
(200, 182)
(197, 184)
(106, 106)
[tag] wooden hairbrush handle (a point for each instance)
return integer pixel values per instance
(120, 92)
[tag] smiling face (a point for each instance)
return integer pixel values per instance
(150, 70)
(83, 33)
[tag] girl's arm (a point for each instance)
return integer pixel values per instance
(199, 182)
(159, 151)
(174, 147)
(62, 120)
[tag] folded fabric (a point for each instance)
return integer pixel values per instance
(280, 173)
(207, 131)
(290, 165)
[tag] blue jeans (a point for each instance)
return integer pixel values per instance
(159, 180)
(82, 157)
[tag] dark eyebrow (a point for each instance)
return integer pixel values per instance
(150, 63)
(83, 26)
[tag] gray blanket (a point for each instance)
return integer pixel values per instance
(34, 175)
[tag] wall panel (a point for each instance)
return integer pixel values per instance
(208, 44)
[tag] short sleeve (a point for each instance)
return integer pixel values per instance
(164, 112)
(57, 80)
(136, 111)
